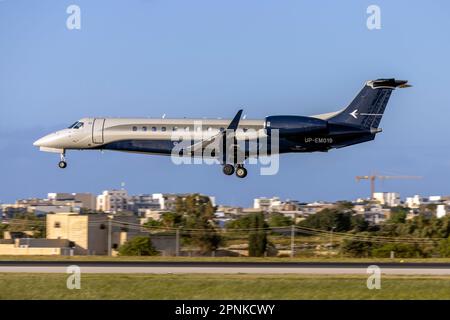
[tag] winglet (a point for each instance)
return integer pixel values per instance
(235, 122)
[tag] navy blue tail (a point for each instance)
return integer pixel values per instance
(367, 109)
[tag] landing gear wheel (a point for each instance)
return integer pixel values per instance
(241, 172)
(228, 169)
(62, 164)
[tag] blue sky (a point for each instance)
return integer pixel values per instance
(203, 58)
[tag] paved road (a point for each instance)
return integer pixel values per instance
(225, 267)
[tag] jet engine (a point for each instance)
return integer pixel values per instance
(295, 125)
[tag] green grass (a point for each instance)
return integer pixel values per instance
(201, 286)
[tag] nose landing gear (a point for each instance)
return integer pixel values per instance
(62, 164)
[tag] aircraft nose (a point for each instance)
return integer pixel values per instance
(40, 142)
(47, 141)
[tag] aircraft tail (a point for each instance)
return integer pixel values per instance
(368, 107)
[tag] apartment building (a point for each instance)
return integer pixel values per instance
(391, 199)
(82, 200)
(113, 201)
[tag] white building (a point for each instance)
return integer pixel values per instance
(435, 199)
(83, 200)
(142, 202)
(167, 201)
(414, 202)
(266, 204)
(375, 217)
(441, 210)
(113, 201)
(391, 199)
(147, 214)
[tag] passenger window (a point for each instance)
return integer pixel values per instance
(245, 129)
(153, 129)
(144, 128)
(163, 129)
(174, 128)
(134, 128)
(222, 129)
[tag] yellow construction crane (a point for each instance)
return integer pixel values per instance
(374, 177)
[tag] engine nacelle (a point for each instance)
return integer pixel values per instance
(295, 125)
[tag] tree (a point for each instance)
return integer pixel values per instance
(240, 223)
(279, 220)
(28, 222)
(138, 246)
(152, 223)
(356, 248)
(359, 224)
(401, 250)
(329, 219)
(198, 213)
(171, 219)
(398, 215)
(344, 205)
(444, 248)
(257, 239)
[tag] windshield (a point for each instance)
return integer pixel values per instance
(76, 125)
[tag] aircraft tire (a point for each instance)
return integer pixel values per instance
(228, 169)
(241, 172)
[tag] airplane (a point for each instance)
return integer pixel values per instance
(357, 123)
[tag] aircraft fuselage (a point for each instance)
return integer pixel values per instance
(352, 125)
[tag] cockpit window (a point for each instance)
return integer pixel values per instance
(77, 125)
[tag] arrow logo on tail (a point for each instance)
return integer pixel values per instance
(355, 114)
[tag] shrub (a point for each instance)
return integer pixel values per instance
(138, 246)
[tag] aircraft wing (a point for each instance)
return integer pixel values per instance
(232, 127)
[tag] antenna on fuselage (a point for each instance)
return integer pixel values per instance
(163, 116)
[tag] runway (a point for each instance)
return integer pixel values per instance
(320, 268)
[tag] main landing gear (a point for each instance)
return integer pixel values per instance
(62, 164)
(229, 169)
